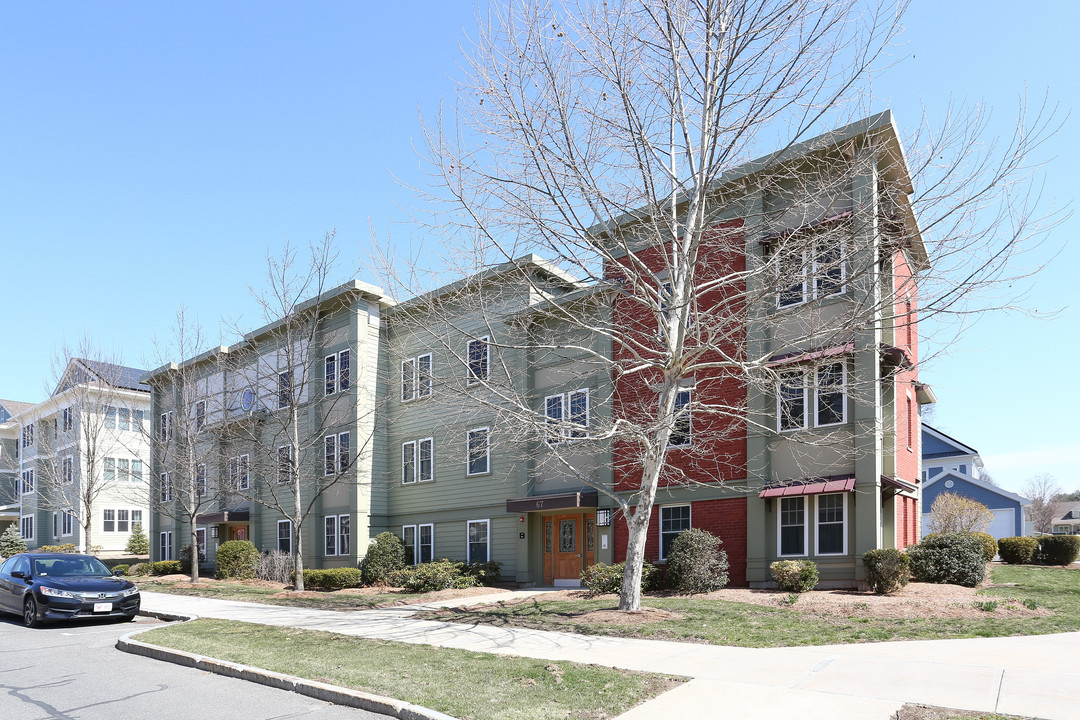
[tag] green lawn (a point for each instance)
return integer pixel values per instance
(460, 683)
(727, 623)
(253, 593)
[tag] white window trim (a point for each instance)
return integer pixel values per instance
(780, 398)
(277, 539)
(471, 379)
(242, 479)
(418, 391)
(782, 289)
(290, 470)
(200, 480)
(105, 519)
(412, 452)
(817, 525)
(28, 480)
(27, 522)
(408, 366)
(468, 451)
(805, 527)
(67, 520)
(164, 487)
(416, 448)
(566, 427)
(416, 537)
(337, 386)
(330, 533)
(55, 525)
(843, 390)
(660, 525)
(165, 541)
(843, 272)
(419, 527)
(468, 545)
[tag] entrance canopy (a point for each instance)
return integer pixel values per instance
(544, 503)
(811, 486)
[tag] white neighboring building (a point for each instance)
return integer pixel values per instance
(91, 437)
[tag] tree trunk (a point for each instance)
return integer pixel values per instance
(638, 526)
(298, 583)
(194, 552)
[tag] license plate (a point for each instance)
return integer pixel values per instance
(102, 607)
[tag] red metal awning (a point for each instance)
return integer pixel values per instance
(801, 356)
(812, 486)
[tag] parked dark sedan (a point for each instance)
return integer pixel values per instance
(61, 586)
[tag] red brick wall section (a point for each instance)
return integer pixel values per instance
(724, 518)
(908, 433)
(907, 521)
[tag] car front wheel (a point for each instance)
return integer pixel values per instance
(30, 615)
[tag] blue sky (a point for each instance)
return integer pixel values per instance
(190, 139)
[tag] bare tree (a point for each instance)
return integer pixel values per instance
(956, 513)
(96, 401)
(186, 438)
(619, 140)
(316, 419)
(1042, 490)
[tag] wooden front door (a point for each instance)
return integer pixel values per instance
(238, 532)
(567, 547)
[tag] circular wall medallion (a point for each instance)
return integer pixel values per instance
(247, 399)
(949, 483)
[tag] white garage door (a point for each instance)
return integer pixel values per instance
(1004, 524)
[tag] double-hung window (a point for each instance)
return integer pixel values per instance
(26, 527)
(791, 401)
(164, 487)
(792, 528)
(122, 521)
(418, 461)
(68, 419)
(165, 426)
(336, 372)
(809, 271)
(674, 519)
(136, 471)
(284, 389)
(829, 268)
(27, 482)
(284, 536)
(416, 377)
(479, 358)
(66, 523)
(336, 456)
(831, 525)
(200, 480)
(108, 520)
(336, 535)
(682, 428)
(110, 418)
(238, 472)
(66, 469)
(419, 541)
(28, 435)
(830, 408)
(479, 539)
(567, 415)
(123, 469)
(124, 416)
(479, 451)
(109, 469)
(200, 414)
(284, 464)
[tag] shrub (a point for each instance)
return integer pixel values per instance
(954, 558)
(696, 564)
(1018, 550)
(886, 570)
(486, 573)
(121, 569)
(276, 566)
(797, 576)
(140, 569)
(165, 567)
(11, 543)
(237, 559)
(332, 578)
(1058, 549)
(989, 545)
(95, 550)
(602, 578)
(65, 548)
(185, 558)
(385, 555)
(955, 513)
(138, 543)
(432, 576)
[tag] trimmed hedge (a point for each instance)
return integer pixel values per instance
(696, 564)
(384, 556)
(797, 576)
(237, 559)
(432, 576)
(602, 578)
(140, 569)
(121, 569)
(948, 558)
(1057, 549)
(65, 548)
(989, 545)
(886, 570)
(332, 578)
(165, 567)
(1018, 550)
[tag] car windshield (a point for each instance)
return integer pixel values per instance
(69, 567)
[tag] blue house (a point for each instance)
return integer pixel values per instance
(951, 466)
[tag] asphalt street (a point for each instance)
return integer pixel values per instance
(74, 672)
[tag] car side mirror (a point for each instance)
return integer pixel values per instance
(18, 574)
(117, 573)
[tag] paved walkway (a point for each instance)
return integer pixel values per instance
(1029, 676)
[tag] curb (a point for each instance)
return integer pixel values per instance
(320, 691)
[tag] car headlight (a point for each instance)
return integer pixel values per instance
(53, 592)
(129, 592)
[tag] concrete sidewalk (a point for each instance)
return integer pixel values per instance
(1015, 675)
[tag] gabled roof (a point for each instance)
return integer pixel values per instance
(14, 407)
(80, 370)
(977, 482)
(937, 444)
(1067, 512)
